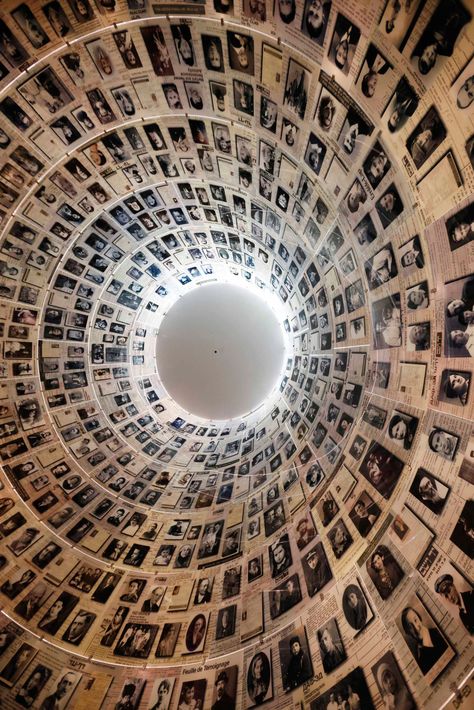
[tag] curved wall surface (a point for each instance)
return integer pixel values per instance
(316, 552)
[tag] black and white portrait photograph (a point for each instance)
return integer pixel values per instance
(459, 318)
(355, 606)
(429, 490)
(295, 96)
(316, 19)
(225, 622)
(315, 153)
(18, 663)
(316, 569)
(392, 685)
(352, 690)
(295, 659)
(196, 633)
(443, 443)
(136, 640)
(425, 138)
(79, 626)
(285, 596)
(384, 571)
(168, 639)
(439, 37)
(364, 513)
(192, 693)
(331, 646)
(279, 554)
(259, 680)
(241, 52)
(339, 538)
(454, 387)
(427, 643)
(344, 43)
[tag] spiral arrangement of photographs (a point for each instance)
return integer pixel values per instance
(317, 551)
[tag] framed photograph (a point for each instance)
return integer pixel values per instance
(231, 582)
(315, 20)
(30, 26)
(426, 137)
(439, 37)
(57, 613)
(33, 601)
(459, 227)
(255, 568)
(280, 556)
(417, 626)
(10, 48)
(100, 106)
(375, 416)
(155, 44)
(33, 685)
(184, 45)
(168, 639)
(331, 646)
(454, 387)
(192, 690)
(259, 678)
(364, 513)
(131, 693)
(430, 491)
(177, 530)
(45, 93)
(352, 689)
(316, 569)
(224, 694)
(196, 632)
(79, 627)
(315, 153)
(444, 443)
(213, 54)
(295, 659)
(343, 44)
(417, 296)
(389, 206)
(387, 320)
(327, 508)
(391, 683)
(462, 532)
(136, 640)
(241, 52)
(285, 596)
(459, 324)
(295, 97)
(211, 539)
(374, 66)
(355, 605)
(381, 468)
(162, 693)
(384, 571)
(225, 623)
(17, 664)
(306, 531)
(339, 538)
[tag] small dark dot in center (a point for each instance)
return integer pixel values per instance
(215, 352)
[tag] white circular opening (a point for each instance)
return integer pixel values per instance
(220, 351)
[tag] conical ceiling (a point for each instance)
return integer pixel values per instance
(261, 213)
